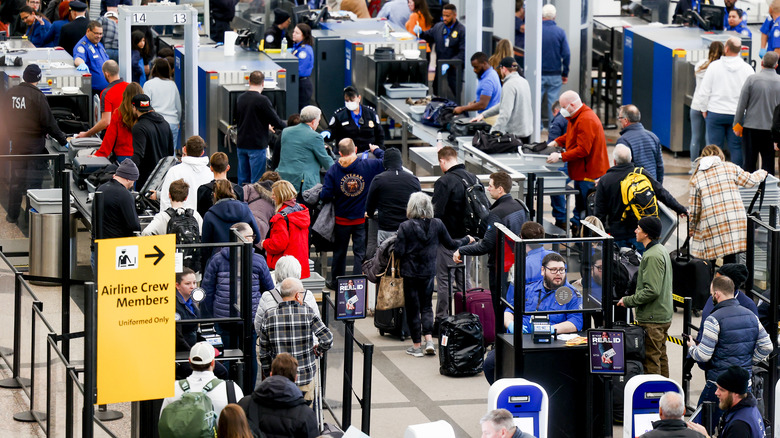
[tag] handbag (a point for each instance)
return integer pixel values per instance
(390, 293)
(496, 142)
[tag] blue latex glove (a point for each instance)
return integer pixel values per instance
(325, 135)
(762, 52)
(82, 67)
(526, 330)
(444, 68)
(511, 328)
(417, 30)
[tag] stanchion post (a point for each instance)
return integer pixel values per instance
(90, 340)
(246, 314)
(16, 381)
(31, 415)
(540, 201)
(346, 394)
(529, 195)
(368, 361)
(687, 310)
(519, 361)
(774, 279)
(324, 359)
(707, 411)
(66, 261)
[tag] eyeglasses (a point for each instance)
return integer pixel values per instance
(556, 270)
(599, 268)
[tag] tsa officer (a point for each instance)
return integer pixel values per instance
(278, 32)
(29, 119)
(356, 121)
(303, 51)
(89, 54)
(449, 38)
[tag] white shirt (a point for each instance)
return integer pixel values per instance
(199, 379)
(165, 98)
(722, 84)
(195, 172)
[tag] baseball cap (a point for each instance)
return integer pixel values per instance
(201, 353)
(142, 102)
(111, 14)
(508, 62)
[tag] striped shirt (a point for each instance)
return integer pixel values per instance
(288, 329)
(704, 350)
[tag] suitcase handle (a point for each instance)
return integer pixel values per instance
(451, 297)
(686, 245)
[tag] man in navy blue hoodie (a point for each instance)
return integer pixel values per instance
(346, 185)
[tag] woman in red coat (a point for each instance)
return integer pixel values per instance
(119, 136)
(289, 234)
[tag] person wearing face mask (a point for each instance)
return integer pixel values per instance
(585, 148)
(356, 121)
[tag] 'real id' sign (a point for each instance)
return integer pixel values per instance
(136, 330)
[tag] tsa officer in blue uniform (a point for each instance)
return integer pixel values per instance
(274, 36)
(38, 27)
(736, 24)
(89, 54)
(303, 51)
(356, 121)
(449, 38)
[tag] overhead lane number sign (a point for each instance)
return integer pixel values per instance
(136, 330)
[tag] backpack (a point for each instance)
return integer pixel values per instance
(625, 266)
(193, 415)
(477, 208)
(439, 112)
(186, 229)
(495, 142)
(638, 195)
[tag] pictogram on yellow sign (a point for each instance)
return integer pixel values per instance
(136, 330)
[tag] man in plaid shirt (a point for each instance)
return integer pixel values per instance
(288, 329)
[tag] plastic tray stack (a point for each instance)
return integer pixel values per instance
(315, 283)
(771, 197)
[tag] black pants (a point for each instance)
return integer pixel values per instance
(218, 29)
(451, 77)
(418, 293)
(755, 142)
(305, 91)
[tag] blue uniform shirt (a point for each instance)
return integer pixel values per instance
(305, 57)
(94, 55)
(533, 264)
(532, 304)
(489, 85)
(726, 18)
(773, 40)
(519, 36)
(742, 29)
(356, 117)
(53, 36)
(766, 26)
(38, 34)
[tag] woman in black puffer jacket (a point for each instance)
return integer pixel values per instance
(418, 239)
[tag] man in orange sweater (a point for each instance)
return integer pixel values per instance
(585, 149)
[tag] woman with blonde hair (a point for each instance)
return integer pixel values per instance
(119, 135)
(698, 128)
(289, 234)
(717, 219)
(503, 50)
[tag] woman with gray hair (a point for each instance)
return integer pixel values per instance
(286, 267)
(418, 239)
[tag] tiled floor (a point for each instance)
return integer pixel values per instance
(406, 390)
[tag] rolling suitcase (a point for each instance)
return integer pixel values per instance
(81, 146)
(83, 167)
(692, 276)
(477, 301)
(393, 322)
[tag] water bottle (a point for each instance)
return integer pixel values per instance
(387, 30)
(284, 46)
(439, 141)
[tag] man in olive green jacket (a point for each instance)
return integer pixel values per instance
(653, 297)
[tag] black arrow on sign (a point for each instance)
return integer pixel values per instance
(159, 255)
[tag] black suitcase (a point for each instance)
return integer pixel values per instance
(461, 345)
(633, 368)
(392, 322)
(634, 340)
(692, 276)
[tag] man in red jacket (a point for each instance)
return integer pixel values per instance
(585, 149)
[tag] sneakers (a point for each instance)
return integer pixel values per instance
(430, 350)
(416, 352)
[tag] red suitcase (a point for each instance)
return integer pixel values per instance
(477, 301)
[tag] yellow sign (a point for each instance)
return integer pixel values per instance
(136, 330)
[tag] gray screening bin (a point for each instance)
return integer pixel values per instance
(46, 233)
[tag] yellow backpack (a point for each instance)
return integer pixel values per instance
(638, 195)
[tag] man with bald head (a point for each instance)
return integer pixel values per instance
(720, 90)
(671, 409)
(110, 97)
(585, 148)
(609, 199)
(753, 119)
(288, 329)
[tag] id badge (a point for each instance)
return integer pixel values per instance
(446, 42)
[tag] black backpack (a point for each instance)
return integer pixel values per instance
(439, 112)
(186, 229)
(496, 142)
(475, 217)
(625, 266)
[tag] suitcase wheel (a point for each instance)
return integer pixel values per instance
(403, 338)
(381, 332)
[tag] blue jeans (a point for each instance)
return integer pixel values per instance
(558, 202)
(719, 127)
(581, 199)
(551, 87)
(251, 165)
(176, 138)
(342, 235)
(698, 133)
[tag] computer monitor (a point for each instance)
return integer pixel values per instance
(714, 15)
